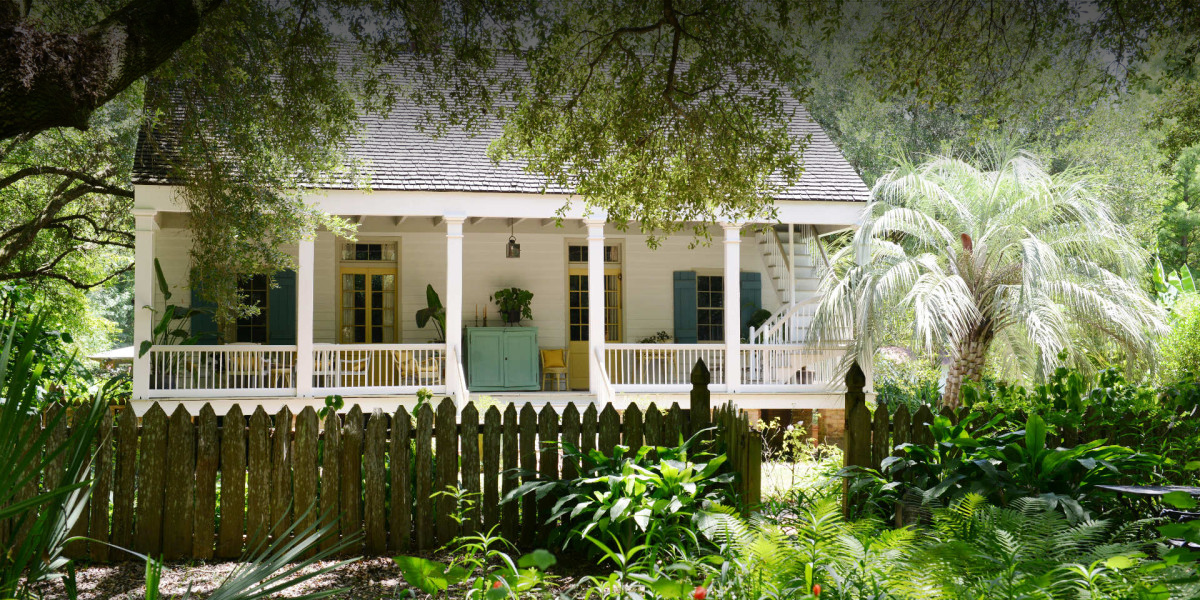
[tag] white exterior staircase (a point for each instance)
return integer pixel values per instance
(795, 261)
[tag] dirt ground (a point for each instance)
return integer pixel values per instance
(365, 579)
(368, 579)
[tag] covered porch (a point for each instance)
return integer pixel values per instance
(600, 295)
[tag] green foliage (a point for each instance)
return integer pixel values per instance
(1177, 236)
(46, 517)
(482, 557)
(513, 301)
(1003, 466)
(63, 378)
(174, 325)
(1000, 252)
(1180, 348)
(913, 383)
(632, 496)
(1169, 288)
(433, 311)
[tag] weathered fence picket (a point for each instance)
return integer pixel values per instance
(208, 452)
(374, 499)
(233, 484)
(400, 518)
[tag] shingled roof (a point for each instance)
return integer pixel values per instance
(392, 153)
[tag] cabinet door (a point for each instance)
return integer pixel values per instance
(485, 359)
(520, 357)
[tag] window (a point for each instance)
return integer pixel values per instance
(254, 290)
(579, 254)
(710, 308)
(373, 251)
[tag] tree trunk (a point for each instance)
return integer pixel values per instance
(968, 364)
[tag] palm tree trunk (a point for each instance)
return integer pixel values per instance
(968, 364)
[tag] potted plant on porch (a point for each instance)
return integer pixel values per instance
(514, 304)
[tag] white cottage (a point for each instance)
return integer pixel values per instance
(441, 213)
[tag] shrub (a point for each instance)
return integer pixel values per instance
(1179, 350)
(914, 383)
(1003, 465)
(652, 495)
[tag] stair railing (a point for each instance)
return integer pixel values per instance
(785, 325)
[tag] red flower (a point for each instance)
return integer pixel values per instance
(496, 584)
(700, 593)
(817, 589)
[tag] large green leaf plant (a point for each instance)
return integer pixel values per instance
(651, 495)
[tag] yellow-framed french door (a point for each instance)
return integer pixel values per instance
(367, 305)
(577, 320)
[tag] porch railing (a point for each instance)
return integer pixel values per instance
(378, 368)
(662, 367)
(780, 367)
(243, 370)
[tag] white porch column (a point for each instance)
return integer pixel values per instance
(454, 298)
(305, 260)
(733, 305)
(143, 297)
(595, 242)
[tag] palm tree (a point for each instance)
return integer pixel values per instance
(1001, 253)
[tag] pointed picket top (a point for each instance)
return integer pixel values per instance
(155, 413)
(700, 373)
(260, 414)
(470, 413)
(487, 415)
(570, 412)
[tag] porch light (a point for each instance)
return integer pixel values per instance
(512, 249)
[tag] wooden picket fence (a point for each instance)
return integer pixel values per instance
(199, 487)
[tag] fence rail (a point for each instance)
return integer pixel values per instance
(201, 486)
(661, 367)
(195, 371)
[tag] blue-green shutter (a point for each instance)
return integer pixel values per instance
(751, 299)
(281, 310)
(204, 324)
(685, 307)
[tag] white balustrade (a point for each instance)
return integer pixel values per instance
(662, 367)
(792, 367)
(378, 368)
(232, 369)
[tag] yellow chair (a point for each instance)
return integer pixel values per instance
(554, 368)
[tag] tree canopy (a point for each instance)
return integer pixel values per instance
(656, 112)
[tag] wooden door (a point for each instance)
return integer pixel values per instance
(577, 320)
(368, 306)
(520, 358)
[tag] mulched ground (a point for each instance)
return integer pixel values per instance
(366, 579)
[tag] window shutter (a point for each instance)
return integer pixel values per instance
(751, 299)
(685, 307)
(281, 310)
(204, 324)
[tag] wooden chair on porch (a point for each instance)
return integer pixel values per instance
(418, 372)
(330, 369)
(247, 369)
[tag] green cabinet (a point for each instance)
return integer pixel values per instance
(501, 358)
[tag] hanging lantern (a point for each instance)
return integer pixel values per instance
(512, 249)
